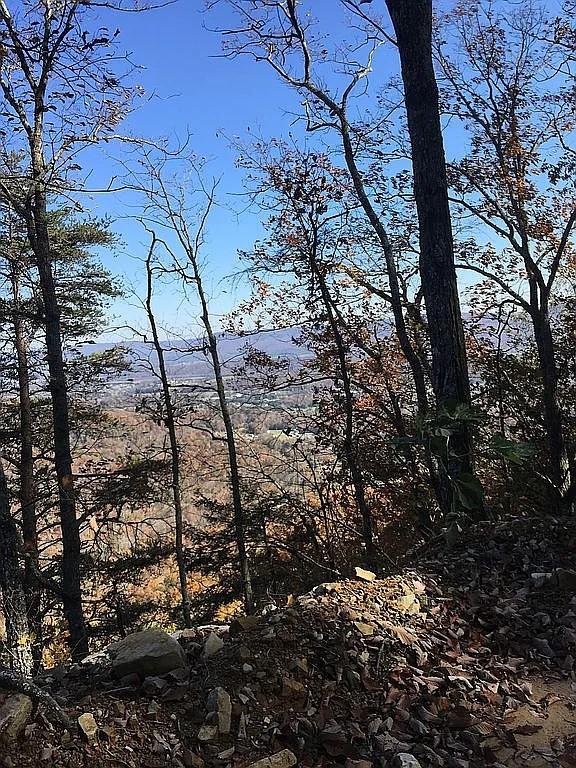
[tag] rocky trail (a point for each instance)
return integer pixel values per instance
(464, 658)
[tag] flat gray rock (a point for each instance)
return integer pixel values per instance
(148, 654)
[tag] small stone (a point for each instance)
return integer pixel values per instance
(283, 759)
(243, 624)
(208, 733)
(300, 667)
(153, 686)
(364, 575)
(15, 711)
(175, 692)
(212, 645)
(153, 709)
(242, 727)
(244, 653)
(405, 760)
(88, 726)
(247, 669)
(226, 754)
(365, 629)
(540, 580)
(219, 702)
(408, 603)
(292, 689)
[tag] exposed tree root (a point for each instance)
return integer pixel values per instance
(10, 681)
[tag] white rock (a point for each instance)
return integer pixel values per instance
(405, 760)
(88, 726)
(364, 575)
(212, 645)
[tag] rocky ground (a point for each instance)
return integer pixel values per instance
(463, 659)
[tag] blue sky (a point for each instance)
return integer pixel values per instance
(192, 88)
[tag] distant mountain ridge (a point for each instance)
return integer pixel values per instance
(184, 358)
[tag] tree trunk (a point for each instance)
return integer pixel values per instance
(412, 20)
(559, 470)
(18, 642)
(27, 484)
(174, 448)
(71, 545)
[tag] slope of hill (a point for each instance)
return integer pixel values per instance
(464, 659)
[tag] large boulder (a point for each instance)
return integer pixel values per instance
(147, 654)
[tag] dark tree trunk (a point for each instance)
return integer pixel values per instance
(412, 20)
(18, 642)
(27, 484)
(71, 545)
(559, 471)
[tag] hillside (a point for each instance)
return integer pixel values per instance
(462, 659)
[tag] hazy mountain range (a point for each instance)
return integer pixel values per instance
(185, 359)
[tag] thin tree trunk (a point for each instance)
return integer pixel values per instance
(27, 484)
(18, 642)
(406, 346)
(239, 516)
(412, 20)
(174, 448)
(349, 450)
(71, 544)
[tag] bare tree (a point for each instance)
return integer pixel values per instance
(310, 228)
(169, 419)
(169, 208)
(277, 33)
(509, 77)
